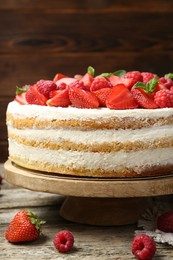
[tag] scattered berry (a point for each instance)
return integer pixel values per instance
(63, 241)
(165, 222)
(33, 96)
(121, 98)
(144, 99)
(99, 83)
(134, 75)
(143, 247)
(60, 99)
(82, 99)
(167, 82)
(25, 226)
(147, 76)
(164, 98)
(45, 86)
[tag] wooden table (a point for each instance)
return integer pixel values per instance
(91, 242)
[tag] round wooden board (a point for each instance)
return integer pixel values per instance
(87, 187)
(94, 201)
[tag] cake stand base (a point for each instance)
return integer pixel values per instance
(94, 201)
(104, 211)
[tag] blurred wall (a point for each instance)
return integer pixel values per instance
(40, 38)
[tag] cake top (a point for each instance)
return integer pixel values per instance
(119, 90)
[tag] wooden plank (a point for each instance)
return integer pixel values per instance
(119, 5)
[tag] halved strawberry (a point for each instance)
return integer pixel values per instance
(82, 99)
(59, 76)
(67, 81)
(121, 98)
(143, 98)
(114, 80)
(60, 99)
(87, 80)
(33, 96)
(102, 95)
(21, 98)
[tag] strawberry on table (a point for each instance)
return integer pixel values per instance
(25, 226)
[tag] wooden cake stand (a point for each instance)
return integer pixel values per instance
(94, 201)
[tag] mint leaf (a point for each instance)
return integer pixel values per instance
(149, 87)
(91, 71)
(105, 75)
(140, 85)
(21, 90)
(169, 76)
(119, 73)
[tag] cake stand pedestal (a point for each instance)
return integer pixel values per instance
(94, 201)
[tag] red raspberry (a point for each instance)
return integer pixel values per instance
(78, 84)
(168, 83)
(164, 98)
(143, 247)
(63, 241)
(99, 83)
(134, 75)
(45, 86)
(165, 222)
(147, 76)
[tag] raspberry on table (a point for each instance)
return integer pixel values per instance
(63, 241)
(143, 247)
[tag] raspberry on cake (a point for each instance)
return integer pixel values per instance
(97, 126)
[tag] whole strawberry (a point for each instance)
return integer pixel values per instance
(25, 226)
(143, 247)
(63, 241)
(165, 222)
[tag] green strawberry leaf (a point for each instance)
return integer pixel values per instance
(91, 71)
(169, 76)
(21, 90)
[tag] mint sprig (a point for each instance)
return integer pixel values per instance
(149, 87)
(118, 73)
(91, 71)
(169, 76)
(22, 90)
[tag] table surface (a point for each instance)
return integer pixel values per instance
(91, 242)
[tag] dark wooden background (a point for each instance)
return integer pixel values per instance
(39, 38)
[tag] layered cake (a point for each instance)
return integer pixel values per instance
(111, 125)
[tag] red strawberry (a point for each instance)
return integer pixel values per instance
(99, 83)
(115, 80)
(134, 75)
(102, 95)
(82, 99)
(164, 98)
(147, 76)
(143, 98)
(60, 99)
(45, 86)
(25, 226)
(165, 222)
(67, 81)
(87, 80)
(21, 99)
(33, 96)
(63, 241)
(59, 76)
(121, 98)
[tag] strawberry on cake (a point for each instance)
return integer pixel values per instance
(110, 125)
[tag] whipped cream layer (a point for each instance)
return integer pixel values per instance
(67, 113)
(93, 161)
